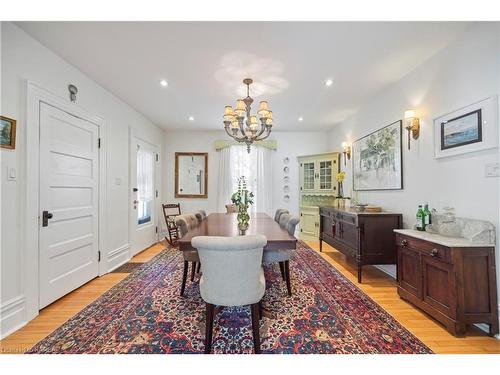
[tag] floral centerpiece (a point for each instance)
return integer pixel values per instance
(242, 198)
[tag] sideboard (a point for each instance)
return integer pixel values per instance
(451, 279)
(366, 237)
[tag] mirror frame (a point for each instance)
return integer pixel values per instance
(176, 191)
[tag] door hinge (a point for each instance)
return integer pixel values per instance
(156, 229)
(99, 256)
(156, 157)
(156, 193)
(98, 142)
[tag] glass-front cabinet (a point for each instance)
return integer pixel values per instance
(318, 173)
(318, 186)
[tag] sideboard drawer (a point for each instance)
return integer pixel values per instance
(425, 247)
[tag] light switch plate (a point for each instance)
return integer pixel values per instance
(11, 174)
(491, 170)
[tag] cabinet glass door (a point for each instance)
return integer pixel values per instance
(325, 175)
(308, 176)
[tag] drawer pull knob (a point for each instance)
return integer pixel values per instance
(404, 243)
(434, 252)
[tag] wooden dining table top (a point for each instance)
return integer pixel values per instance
(226, 225)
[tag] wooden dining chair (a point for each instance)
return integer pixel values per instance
(282, 257)
(232, 276)
(170, 211)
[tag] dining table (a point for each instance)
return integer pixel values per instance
(226, 225)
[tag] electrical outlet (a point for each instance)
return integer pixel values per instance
(491, 170)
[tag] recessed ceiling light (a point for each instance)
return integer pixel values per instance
(164, 83)
(329, 82)
(191, 118)
(300, 119)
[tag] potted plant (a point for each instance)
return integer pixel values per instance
(242, 198)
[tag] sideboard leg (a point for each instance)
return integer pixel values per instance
(359, 272)
(320, 245)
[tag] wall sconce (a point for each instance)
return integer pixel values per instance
(347, 151)
(412, 125)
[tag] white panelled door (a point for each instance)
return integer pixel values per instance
(69, 196)
(143, 217)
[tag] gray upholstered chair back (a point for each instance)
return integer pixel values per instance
(232, 269)
(278, 213)
(199, 217)
(203, 214)
(185, 223)
(284, 218)
(292, 223)
(231, 208)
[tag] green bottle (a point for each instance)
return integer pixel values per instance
(420, 218)
(427, 215)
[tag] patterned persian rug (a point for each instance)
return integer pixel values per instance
(128, 267)
(145, 314)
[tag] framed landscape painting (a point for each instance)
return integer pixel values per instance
(7, 132)
(468, 129)
(378, 159)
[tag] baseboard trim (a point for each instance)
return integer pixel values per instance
(12, 315)
(117, 257)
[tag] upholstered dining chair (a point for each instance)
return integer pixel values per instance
(232, 276)
(200, 216)
(282, 257)
(231, 208)
(284, 218)
(185, 223)
(279, 212)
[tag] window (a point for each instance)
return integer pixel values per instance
(256, 166)
(145, 185)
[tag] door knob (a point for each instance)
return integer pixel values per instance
(46, 215)
(434, 252)
(404, 243)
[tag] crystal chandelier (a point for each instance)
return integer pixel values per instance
(242, 126)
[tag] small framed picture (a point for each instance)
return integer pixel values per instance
(7, 132)
(462, 130)
(469, 129)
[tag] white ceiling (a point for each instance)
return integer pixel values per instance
(205, 62)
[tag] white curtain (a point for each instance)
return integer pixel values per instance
(256, 166)
(225, 180)
(145, 172)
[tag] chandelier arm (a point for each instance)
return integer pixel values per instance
(266, 136)
(262, 128)
(233, 136)
(240, 123)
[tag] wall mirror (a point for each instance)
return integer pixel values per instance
(191, 174)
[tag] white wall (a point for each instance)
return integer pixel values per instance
(23, 58)
(463, 73)
(290, 144)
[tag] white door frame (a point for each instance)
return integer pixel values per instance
(140, 136)
(30, 205)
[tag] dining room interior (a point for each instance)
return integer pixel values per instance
(322, 187)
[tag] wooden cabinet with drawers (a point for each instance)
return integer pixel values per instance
(454, 284)
(366, 237)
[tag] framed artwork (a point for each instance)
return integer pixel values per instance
(378, 159)
(468, 129)
(7, 132)
(191, 174)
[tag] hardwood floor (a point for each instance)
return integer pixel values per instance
(380, 287)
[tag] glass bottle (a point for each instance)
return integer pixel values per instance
(420, 218)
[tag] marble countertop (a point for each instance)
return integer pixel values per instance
(441, 240)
